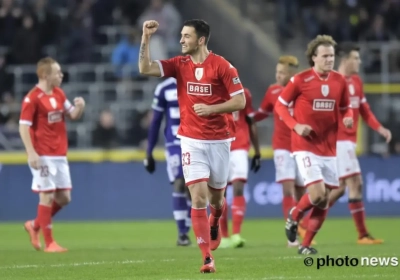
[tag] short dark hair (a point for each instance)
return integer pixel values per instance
(201, 27)
(344, 49)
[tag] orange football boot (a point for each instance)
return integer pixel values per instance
(369, 240)
(55, 248)
(33, 235)
(208, 266)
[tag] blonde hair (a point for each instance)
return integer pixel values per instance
(289, 60)
(44, 66)
(320, 40)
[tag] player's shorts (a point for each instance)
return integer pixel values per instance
(52, 175)
(173, 156)
(286, 168)
(315, 169)
(347, 160)
(238, 166)
(205, 162)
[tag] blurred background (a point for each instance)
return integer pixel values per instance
(97, 43)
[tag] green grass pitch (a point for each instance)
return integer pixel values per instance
(146, 250)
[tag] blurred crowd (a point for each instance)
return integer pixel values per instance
(71, 30)
(345, 20)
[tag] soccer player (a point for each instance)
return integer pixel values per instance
(246, 131)
(208, 89)
(348, 165)
(286, 172)
(318, 94)
(165, 103)
(43, 131)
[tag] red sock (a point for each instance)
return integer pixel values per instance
(304, 223)
(55, 207)
(201, 229)
(238, 211)
(304, 204)
(36, 223)
(288, 203)
(317, 218)
(216, 214)
(44, 218)
(223, 224)
(358, 212)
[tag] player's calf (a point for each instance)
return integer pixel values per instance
(217, 207)
(238, 212)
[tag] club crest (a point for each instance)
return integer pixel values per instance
(325, 90)
(199, 73)
(53, 102)
(351, 89)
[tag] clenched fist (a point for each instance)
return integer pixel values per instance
(348, 122)
(150, 27)
(79, 102)
(202, 110)
(303, 129)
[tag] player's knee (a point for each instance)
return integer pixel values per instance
(288, 189)
(46, 198)
(355, 187)
(299, 192)
(238, 188)
(216, 198)
(179, 186)
(199, 201)
(63, 198)
(341, 190)
(318, 193)
(198, 193)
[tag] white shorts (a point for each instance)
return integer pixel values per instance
(52, 175)
(347, 160)
(286, 168)
(205, 162)
(315, 168)
(238, 166)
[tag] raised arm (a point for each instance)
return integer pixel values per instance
(146, 66)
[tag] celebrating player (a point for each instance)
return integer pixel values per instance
(208, 89)
(285, 166)
(348, 165)
(166, 103)
(43, 131)
(246, 130)
(318, 95)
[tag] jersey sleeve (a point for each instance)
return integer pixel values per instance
(159, 102)
(249, 110)
(168, 67)
(28, 111)
(288, 94)
(230, 78)
(266, 105)
(68, 107)
(344, 104)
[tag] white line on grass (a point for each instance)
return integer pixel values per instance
(24, 266)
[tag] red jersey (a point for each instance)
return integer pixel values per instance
(44, 113)
(360, 106)
(317, 102)
(212, 82)
(282, 133)
(242, 136)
